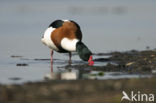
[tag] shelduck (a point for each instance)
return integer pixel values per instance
(65, 36)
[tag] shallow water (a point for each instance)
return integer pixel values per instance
(107, 25)
(36, 68)
(22, 69)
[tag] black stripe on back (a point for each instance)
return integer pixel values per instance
(78, 32)
(56, 24)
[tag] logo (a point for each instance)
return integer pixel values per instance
(137, 96)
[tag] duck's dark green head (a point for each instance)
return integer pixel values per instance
(84, 53)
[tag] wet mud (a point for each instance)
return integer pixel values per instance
(84, 90)
(131, 61)
(80, 91)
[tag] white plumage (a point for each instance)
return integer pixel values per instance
(69, 45)
(47, 39)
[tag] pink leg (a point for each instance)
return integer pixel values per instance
(70, 55)
(51, 60)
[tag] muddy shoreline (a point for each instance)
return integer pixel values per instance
(139, 62)
(80, 91)
(89, 91)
